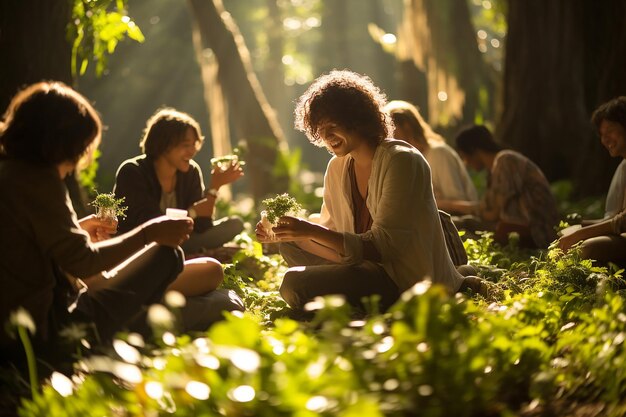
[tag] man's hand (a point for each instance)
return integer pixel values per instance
(98, 229)
(168, 231)
(225, 174)
(567, 241)
(293, 229)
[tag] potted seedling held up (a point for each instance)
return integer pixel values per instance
(108, 208)
(275, 208)
(223, 162)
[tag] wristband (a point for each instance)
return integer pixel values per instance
(212, 192)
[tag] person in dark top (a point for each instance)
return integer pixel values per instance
(166, 176)
(60, 269)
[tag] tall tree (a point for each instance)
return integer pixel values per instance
(35, 47)
(439, 37)
(253, 118)
(34, 44)
(558, 67)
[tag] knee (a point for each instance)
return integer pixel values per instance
(594, 249)
(466, 270)
(291, 290)
(235, 225)
(216, 272)
(212, 271)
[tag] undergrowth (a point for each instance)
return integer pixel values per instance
(551, 333)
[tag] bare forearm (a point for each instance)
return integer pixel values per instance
(119, 248)
(327, 238)
(205, 207)
(599, 229)
(319, 250)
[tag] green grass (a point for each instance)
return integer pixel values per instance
(551, 337)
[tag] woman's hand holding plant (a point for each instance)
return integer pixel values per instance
(98, 229)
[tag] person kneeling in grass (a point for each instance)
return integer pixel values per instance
(379, 231)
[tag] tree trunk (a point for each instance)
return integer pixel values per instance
(439, 37)
(254, 119)
(605, 60)
(35, 48)
(335, 51)
(33, 44)
(559, 66)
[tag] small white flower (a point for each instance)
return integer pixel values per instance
(62, 384)
(22, 318)
(159, 315)
(174, 299)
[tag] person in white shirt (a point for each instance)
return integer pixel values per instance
(379, 231)
(451, 180)
(604, 241)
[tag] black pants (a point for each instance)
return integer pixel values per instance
(120, 302)
(311, 276)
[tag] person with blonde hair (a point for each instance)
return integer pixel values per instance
(450, 178)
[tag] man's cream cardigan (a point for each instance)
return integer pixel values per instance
(406, 228)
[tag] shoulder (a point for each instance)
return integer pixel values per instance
(398, 152)
(194, 167)
(508, 158)
(137, 163)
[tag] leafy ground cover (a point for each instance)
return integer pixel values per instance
(548, 341)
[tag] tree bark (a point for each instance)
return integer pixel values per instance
(563, 58)
(253, 118)
(33, 44)
(439, 37)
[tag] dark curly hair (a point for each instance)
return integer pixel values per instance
(165, 129)
(348, 99)
(49, 123)
(613, 110)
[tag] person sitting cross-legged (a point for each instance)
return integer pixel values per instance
(379, 231)
(166, 176)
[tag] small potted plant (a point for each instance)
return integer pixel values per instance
(223, 161)
(108, 208)
(276, 207)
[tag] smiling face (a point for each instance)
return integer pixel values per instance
(613, 138)
(338, 140)
(179, 155)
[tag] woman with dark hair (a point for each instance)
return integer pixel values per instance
(167, 176)
(518, 196)
(58, 268)
(379, 231)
